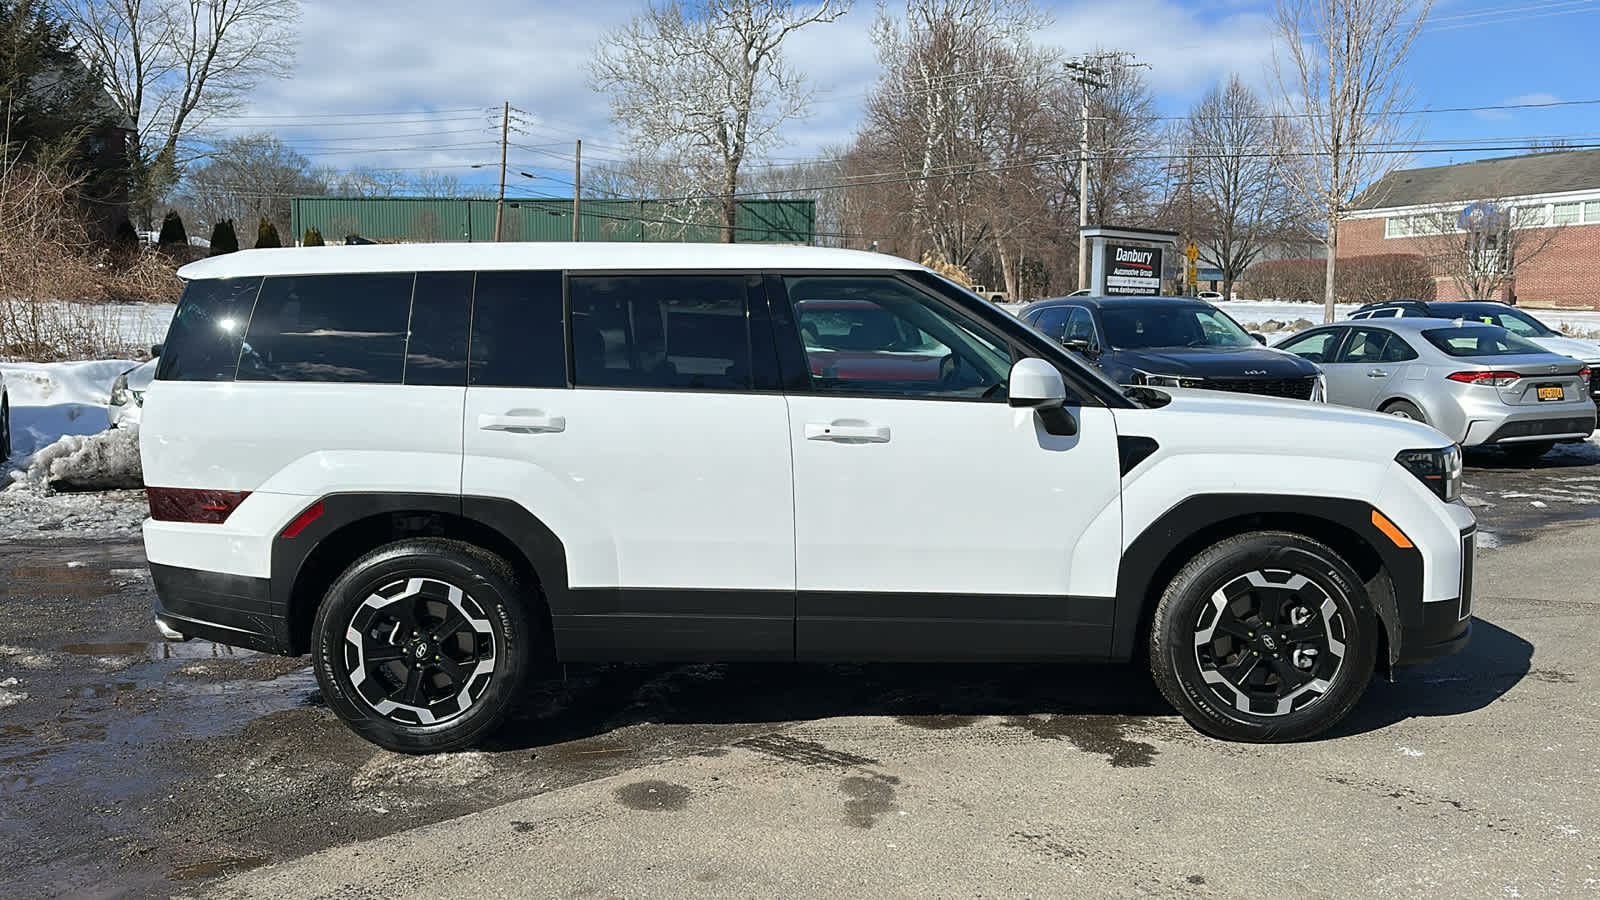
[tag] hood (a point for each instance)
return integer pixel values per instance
(1217, 362)
(1588, 351)
(1293, 425)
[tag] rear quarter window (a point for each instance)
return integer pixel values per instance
(339, 328)
(204, 339)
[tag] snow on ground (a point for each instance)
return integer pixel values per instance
(59, 433)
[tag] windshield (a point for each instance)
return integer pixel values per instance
(1135, 327)
(1480, 340)
(1513, 320)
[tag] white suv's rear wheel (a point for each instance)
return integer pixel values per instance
(422, 645)
(1267, 636)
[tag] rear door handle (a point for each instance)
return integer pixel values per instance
(523, 421)
(847, 431)
(1377, 373)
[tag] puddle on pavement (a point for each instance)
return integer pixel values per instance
(1104, 735)
(81, 581)
(214, 867)
(160, 650)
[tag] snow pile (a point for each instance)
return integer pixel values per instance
(98, 462)
(49, 400)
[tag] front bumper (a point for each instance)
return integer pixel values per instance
(230, 609)
(1441, 628)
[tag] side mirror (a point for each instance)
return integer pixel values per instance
(1260, 338)
(155, 349)
(1077, 345)
(1037, 385)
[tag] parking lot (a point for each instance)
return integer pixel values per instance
(134, 767)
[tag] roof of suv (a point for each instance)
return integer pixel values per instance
(1113, 302)
(1406, 323)
(532, 255)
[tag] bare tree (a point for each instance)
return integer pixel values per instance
(822, 181)
(1123, 137)
(172, 66)
(708, 77)
(956, 116)
(245, 179)
(363, 181)
(1344, 84)
(1479, 245)
(1235, 166)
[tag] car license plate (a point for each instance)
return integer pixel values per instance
(1551, 392)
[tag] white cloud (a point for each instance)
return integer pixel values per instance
(414, 55)
(1501, 115)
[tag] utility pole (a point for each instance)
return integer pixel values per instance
(1086, 76)
(577, 189)
(500, 203)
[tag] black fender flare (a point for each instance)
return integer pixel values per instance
(1204, 519)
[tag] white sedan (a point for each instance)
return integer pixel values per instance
(127, 394)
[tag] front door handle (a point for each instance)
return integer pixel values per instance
(523, 421)
(847, 431)
(1377, 373)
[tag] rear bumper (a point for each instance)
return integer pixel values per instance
(230, 609)
(1543, 429)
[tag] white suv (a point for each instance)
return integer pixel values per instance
(438, 469)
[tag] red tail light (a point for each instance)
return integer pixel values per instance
(193, 505)
(1498, 379)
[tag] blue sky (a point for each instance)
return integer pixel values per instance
(417, 88)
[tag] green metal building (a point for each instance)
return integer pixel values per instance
(413, 220)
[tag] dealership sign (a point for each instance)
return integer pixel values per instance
(1132, 270)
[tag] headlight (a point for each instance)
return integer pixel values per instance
(1439, 469)
(120, 395)
(1151, 379)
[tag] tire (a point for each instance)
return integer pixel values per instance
(1404, 409)
(1280, 586)
(486, 653)
(1527, 453)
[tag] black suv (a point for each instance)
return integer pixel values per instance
(1172, 342)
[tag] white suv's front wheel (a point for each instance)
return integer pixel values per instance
(422, 645)
(1266, 636)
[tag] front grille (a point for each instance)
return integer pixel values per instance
(1468, 557)
(1536, 427)
(1291, 388)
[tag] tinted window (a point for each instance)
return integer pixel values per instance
(1480, 340)
(1515, 321)
(441, 311)
(1397, 350)
(1053, 322)
(203, 341)
(878, 335)
(1317, 346)
(517, 334)
(679, 332)
(346, 328)
(1171, 325)
(1080, 327)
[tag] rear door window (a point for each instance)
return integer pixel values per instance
(517, 337)
(207, 330)
(329, 328)
(436, 346)
(671, 332)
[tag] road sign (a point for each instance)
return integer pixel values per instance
(1192, 252)
(1193, 274)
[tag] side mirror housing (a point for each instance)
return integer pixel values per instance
(1077, 345)
(1260, 338)
(155, 349)
(1037, 385)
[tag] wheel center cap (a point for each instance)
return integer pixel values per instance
(1268, 642)
(421, 650)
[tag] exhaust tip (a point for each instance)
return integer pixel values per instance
(168, 632)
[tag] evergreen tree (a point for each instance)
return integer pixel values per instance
(172, 231)
(54, 101)
(267, 234)
(313, 237)
(223, 238)
(126, 239)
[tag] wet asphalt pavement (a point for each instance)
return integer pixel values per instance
(134, 767)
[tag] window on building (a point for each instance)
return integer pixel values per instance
(1565, 213)
(345, 328)
(1532, 216)
(1591, 212)
(1397, 226)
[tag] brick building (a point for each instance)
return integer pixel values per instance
(1559, 191)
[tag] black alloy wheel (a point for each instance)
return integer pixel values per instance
(1266, 636)
(423, 645)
